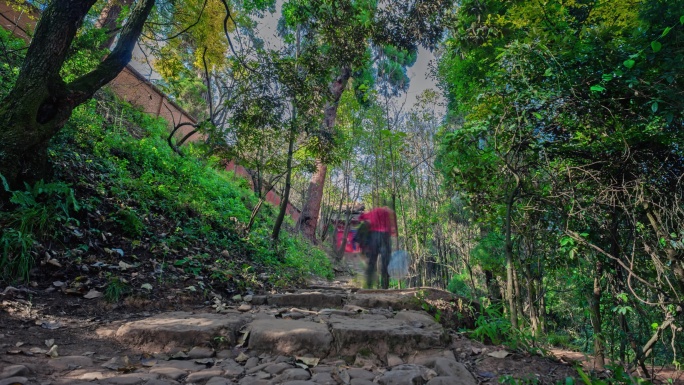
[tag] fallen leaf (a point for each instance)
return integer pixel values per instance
(309, 361)
(242, 357)
(243, 338)
(58, 284)
(93, 294)
(50, 342)
(146, 286)
(54, 262)
(499, 354)
(124, 266)
(38, 351)
(53, 352)
(18, 344)
(50, 325)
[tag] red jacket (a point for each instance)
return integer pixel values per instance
(381, 219)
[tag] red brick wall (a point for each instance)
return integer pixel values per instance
(132, 87)
(271, 197)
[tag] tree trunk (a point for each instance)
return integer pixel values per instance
(285, 199)
(108, 19)
(510, 290)
(311, 210)
(40, 102)
(595, 317)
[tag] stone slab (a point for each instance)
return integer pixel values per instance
(396, 336)
(289, 337)
(169, 331)
(308, 300)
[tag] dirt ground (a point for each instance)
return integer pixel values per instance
(32, 320)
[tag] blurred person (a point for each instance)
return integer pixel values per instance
(381, 227)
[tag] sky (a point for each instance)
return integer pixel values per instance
(417, 73)
(266, 28)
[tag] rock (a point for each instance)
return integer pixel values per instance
(224, 354)
(248, 298)
(160, 382)
(182, 365)
(394, 360)
(245, 307)
(402, 377)
(360, 374)
(231, 369)
(199, 352)
(290, 337)
(358, 381)
(252, 362)
(449, 368)
(168, 372)
(292, 375)
(92, 376)
(218, 381)
(15, 371)
(442, 380)
(285, 359)
(203, 375)
(323, 379)
(15, 381)
(277, 368)
(70, 362)
(259, 300)
(131, 379)
(299, 382)
(253, 381)
(165, 332)
(237, 298)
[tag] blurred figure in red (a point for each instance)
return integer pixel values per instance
(381, 226)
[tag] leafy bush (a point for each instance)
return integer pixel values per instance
(40, 211)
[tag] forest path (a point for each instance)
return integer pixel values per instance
(324, 334)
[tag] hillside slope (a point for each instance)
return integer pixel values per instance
(127, 216)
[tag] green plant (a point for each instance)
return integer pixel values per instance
(129, 222)
(116, 288)
(38, 211)
(491, 326)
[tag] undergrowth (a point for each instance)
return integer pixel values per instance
(116, 178)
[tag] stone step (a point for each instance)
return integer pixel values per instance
(322, 334)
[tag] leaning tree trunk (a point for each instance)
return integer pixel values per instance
(41, 102)
(109, 18)
(310, 212)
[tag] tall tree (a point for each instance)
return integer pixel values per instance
(41, 101)
(348, 31)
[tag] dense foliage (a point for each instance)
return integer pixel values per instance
(545, 183)
(564, 140)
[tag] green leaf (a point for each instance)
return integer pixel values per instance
(607, 77)
(656, 46)
(681, 20)
(629, 63)
(654, 326)
(537, 115)
(584, 376)
(597, 88)
(666, 31)
(654, 107)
